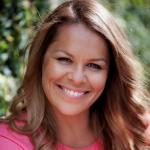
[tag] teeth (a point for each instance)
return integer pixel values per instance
(73, 93)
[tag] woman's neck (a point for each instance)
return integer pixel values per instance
(75, 131)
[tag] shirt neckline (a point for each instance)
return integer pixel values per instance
(96, 145)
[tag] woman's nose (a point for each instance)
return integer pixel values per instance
(77, 76)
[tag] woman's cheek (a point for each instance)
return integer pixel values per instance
(98, 81)
(147, 134)
(54, 69)
(146, 118)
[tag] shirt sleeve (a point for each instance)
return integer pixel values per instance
(6, 144)
(12, 140)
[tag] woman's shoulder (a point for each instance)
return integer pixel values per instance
(10, 139)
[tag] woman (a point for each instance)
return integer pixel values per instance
(82, 88)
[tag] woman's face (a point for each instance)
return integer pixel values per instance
(75, 69)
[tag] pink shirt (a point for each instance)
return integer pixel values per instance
(11, 140)
(97, 145)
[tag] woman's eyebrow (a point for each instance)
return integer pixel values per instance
(92, 59)
(99, 59)
(62, 51)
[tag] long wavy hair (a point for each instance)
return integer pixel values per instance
(117, 113)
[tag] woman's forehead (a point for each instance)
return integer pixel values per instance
(79, 31)
(79, 38)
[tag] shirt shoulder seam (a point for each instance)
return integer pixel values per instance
(12, 141)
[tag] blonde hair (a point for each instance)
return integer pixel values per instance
(117, 112)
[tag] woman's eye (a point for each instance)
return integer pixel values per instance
(64, 59)
(94, 66)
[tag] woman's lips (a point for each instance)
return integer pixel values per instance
(72, 93)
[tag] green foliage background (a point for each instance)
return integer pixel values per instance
(18, 19)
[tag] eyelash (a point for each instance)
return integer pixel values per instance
(90, 65)
(94, 66)
(64, 59)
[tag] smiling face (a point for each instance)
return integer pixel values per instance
(75, 69)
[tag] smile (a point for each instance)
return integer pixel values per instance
(72, 93)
